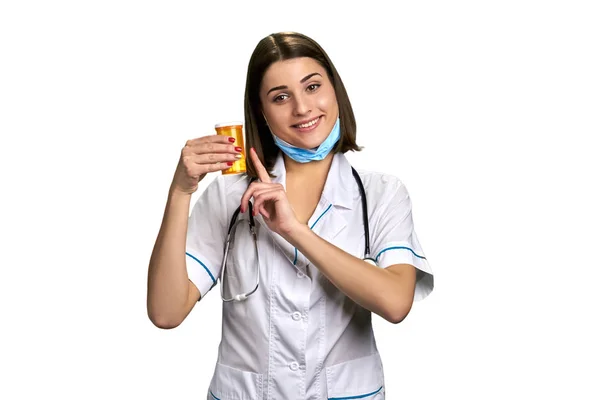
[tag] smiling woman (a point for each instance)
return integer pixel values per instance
(290, 70)
(302, 115)
(300, 286)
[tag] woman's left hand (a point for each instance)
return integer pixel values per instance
(270, 200)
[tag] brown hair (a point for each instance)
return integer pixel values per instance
(279, 47)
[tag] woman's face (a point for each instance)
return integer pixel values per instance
(298, 102)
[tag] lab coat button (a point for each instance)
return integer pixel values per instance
(300, 275)
(296, 316)
(294, 366)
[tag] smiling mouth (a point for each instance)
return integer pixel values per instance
(307, 125)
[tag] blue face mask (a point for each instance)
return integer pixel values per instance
(306, 155)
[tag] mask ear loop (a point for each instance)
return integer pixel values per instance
(269, 126)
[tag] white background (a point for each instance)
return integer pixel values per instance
(488, 111)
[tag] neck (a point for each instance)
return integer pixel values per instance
(313, 169)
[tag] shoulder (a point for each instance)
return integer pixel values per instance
(378, 184)
(222, 191)
(234, 184)
(228, 185)
(387, 197)
(227, 191)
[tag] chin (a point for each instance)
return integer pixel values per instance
(307, 143)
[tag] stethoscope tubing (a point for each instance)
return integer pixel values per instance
(243, 296)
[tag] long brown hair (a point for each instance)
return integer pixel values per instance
(279, 47)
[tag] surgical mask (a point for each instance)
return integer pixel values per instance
(306, 155)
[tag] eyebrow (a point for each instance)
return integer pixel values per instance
(307, 77)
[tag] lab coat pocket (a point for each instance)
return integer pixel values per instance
(233, 384)
(361, 378)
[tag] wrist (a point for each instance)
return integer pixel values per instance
(176, 194)
(296, 235)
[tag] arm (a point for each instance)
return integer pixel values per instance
(174, 287)
(171, 296)
(387, 292)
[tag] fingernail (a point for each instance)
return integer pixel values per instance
(232, 139)
(230, 163)
(238, 156)
(238, 149)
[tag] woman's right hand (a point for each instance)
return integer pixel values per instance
(201, 156)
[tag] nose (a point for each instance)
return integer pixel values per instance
(301, 106)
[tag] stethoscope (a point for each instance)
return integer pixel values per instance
(233, 223)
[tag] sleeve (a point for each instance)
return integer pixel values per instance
(394, 238)
(206, 235)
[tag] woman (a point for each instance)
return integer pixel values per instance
(305, 333)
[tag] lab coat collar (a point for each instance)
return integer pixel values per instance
(340, 187)
(339, 196)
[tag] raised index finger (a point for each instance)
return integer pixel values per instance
(263, 175)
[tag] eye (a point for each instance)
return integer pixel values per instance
(279, 98)
(313, 86)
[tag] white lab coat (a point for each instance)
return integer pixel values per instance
(298, 336)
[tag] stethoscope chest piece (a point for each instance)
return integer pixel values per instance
(370, 261)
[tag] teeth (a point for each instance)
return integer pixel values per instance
(311, 123)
